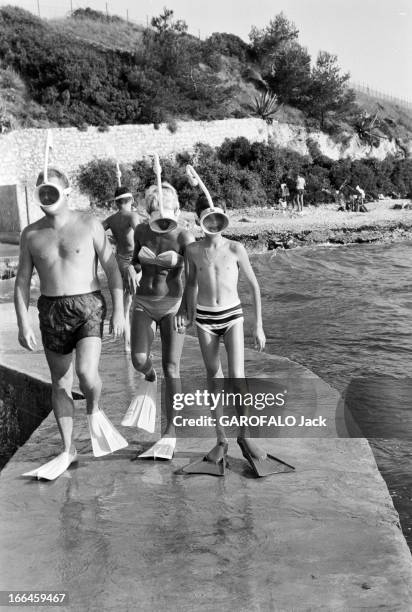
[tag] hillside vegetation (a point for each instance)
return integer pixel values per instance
(90, 69)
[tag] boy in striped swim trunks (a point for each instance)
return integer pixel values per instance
(212, 271)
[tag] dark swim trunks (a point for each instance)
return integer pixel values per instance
(66, 319)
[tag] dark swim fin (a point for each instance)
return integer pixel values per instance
(206, 466)
(264, 467)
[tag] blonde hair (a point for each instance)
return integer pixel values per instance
(170, 199)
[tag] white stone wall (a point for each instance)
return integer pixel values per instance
(21, 151)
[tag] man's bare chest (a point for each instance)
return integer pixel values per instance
(49, 246)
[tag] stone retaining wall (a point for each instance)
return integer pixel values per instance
(21, 151)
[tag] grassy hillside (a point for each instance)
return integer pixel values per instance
(397, 118)
(93, 70)
(118, 35)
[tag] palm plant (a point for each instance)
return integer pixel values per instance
(265, 105)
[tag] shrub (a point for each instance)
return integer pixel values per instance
(98, 180)
(243, 174)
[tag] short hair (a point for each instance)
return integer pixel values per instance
(53, 173)
(170, 199)
(122, 191)
(202, 203)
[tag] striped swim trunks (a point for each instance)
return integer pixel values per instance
(217, 320)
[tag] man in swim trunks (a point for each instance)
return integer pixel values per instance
(213, 265)
(300, 190)
(122, 225)
(64, 248)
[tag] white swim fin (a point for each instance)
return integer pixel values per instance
(142, 410)
(104, 436)
(54, 468)
(163, 449)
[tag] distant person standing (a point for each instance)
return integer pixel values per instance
(122, 225)
(284, 192)
(360, 200)
(291, 187)
(300, 190)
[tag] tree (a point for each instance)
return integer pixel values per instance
(328, 92)
(267, 42)
(164, 23)
(290, 74)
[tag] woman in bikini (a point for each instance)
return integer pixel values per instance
(159, 256)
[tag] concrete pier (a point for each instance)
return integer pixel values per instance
(118, 534)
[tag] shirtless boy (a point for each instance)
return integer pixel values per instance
(212, 300)
(122, 225)
(64, 247)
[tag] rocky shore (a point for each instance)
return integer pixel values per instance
(266, 229)
(270, 240)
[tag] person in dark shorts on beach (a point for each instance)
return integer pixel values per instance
(300, 190)
(64, 247)
(291, 187)
(122, 225)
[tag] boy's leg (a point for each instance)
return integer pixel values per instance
(235, 347)
(87, 369)
(209, 346)
(141, 338)
(172, 346)
(61, 370)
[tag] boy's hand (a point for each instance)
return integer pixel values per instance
(117, 322)
(132, 280)
(180, 323)
(27, 338)
(259, 337)
(190, 318)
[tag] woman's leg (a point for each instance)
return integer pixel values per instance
(172, 346)
(141, 339)
(127, 302)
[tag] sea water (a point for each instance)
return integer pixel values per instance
(346, 314)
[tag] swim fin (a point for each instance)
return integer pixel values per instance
(207, 466)
(142, 410)
(264, 467)
(54, 468)
(162, 449)
(104, 436)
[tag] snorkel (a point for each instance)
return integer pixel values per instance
(160, 221)
(121, 193)
(118, 175)
(48, 195)
(212, 216)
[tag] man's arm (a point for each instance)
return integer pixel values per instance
(106, 223)
(108, 262)
(246, 269)
(22, 295)
(134, 220)
(134, 271)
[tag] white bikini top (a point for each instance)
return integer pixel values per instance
(168, 259)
